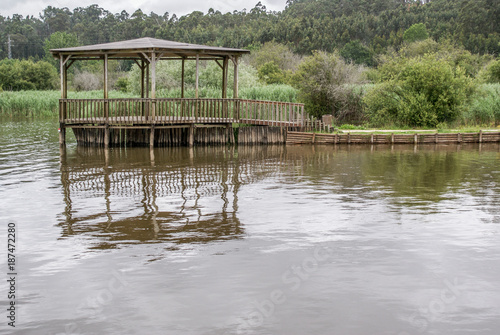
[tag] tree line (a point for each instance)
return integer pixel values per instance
(303, 26)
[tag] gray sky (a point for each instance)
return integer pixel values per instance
(179, 7)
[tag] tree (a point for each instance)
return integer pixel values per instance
(17, 75)
(357, 53)
(58, 40)
(326, 85)
(270, 73)
(416, 32)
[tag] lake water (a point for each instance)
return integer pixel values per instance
(253, 240)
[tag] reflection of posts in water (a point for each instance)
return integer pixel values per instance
(152, 155)
(119, 175)
(62, 153)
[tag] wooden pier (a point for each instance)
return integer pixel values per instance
(151, 120)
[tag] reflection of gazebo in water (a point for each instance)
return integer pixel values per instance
(166, 121)
(127, 196)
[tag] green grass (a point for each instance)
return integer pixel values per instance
(43, 103)
(46, 103)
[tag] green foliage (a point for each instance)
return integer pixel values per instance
(276, 92)
(58, 40)
(302, 27)
(44, 103)
(348, 126)
(122, 84)
(169, 76)
(279, 54)
(270, 73)
(493, 72)
(392, 63)
(485, 106)
(425, 91)
(357, 53)
(416, 32)
(16, 75)
(325, 83)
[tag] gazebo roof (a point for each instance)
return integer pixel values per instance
(135, 49)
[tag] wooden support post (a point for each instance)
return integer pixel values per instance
(142, 78)
(415, 138)
(230, 133)
(106, 102)
(106, 136)
(183, 77)
(197, 75)
(153, 87)
(152, 137)
(147, 80)
(459, 138)
(481, 136)
(371, 139)
(392, 138)
(436, 138)
(62, 135)
(191, 135)
(64, 95)
(235, 89)
(224, 79)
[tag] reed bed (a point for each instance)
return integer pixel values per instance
(46, 103)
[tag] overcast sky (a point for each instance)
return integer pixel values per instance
(179, 7)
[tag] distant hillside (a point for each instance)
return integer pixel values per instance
(305, 25)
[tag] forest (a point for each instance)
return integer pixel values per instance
(398, 62)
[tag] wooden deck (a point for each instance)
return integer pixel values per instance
(157, 112)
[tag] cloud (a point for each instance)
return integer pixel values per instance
(34, 7)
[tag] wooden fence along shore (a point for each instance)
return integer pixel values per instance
(316, 138)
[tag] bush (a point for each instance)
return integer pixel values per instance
(493, 72)
(86, 81)
(425, 92)
(327, 85)
(122, 84)
(270, 73)
(17, 75)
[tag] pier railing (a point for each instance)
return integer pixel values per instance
(181, 111)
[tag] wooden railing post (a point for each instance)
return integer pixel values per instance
(237, 107)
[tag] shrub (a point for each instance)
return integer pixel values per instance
(425, 92)
(327, 85)
(122, 84)
(270, 73)
(86, 81)
(493, 72)
(16, 75)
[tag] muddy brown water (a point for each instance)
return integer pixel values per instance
(251, 240)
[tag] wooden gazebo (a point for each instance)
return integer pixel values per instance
(97, 121)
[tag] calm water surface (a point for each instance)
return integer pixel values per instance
(250, 240)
